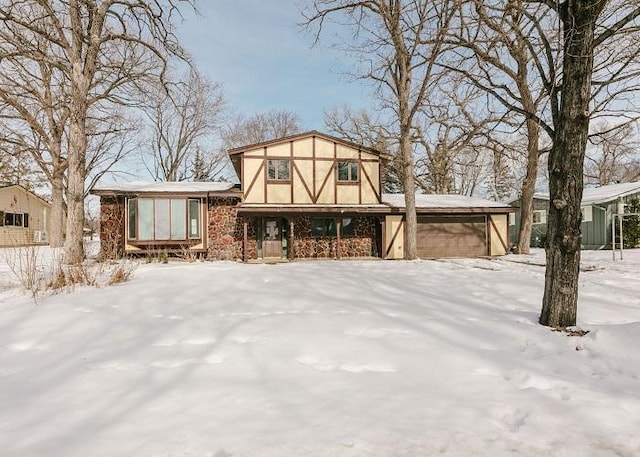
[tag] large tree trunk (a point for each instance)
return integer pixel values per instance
(528, 188)
(57, 221)
(411, 220)
(566, 159)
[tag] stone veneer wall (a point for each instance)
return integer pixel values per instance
(226, 231)
(111, 227)
(362, 244)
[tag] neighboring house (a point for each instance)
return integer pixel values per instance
(598, 206)
(309, 195)
(23, 217)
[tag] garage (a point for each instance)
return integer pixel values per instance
(452, 236)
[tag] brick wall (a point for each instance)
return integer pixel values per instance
(362, 244)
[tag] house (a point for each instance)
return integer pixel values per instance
(23, 217)
(309, 195)
(599, 204)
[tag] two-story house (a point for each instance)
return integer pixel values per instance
(310, 195)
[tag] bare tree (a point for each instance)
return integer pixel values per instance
(99, 47)
(614, 156)
(508, 50)
(183, 116)
(399, 44)
(583, 33)
(241, 130)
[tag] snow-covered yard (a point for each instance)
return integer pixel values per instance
(328, 358)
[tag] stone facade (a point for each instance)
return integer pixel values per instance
(226, 231)
(361, 244)
(111, 227)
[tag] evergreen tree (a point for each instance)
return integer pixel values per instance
(631, 225)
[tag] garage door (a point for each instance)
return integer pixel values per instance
(452, 236)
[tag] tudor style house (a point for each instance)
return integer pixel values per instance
(309, 195)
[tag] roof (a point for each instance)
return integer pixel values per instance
(603, 194)
(27, 191)
(299, 136)
(444, 202)
(179, 187)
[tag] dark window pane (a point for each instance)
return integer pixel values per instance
(354, 171)
(25, 220)
(1, 218)
(330, 227)
(132, 219)
(271, 169)
(283, 170)
(17, 220)
(194, 218)
(347, 227)
(8, 218)
(317, 227)
(343, 171)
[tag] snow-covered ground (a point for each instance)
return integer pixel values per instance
(326, 358)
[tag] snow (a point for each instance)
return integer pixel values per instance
(323, 358)
(442, 201)
(603, 194)
(161, 187)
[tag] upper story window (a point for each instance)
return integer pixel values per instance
(14, 219)
(348, 172)
(151, 219)
(279, 170)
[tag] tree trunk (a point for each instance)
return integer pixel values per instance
(57, 221)
(411, 220)
(566, 160)
(528, 188)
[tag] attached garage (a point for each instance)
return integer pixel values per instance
(448, 226)
(452, 236)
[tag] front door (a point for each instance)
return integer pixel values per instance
(272, 239)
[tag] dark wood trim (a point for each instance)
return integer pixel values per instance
(305, 158)
(291, 241)
(279, 181)
(360, 176)
(301, 136)
(245, 241)
(313, 153)
(502, 241)
(395, 235)
(347, 183)
(346, 211)
(383, 232)
(376, 193)
(291, 167)
(379, 193)
(266, 173)
(335, 178)
(304, 183)
(338, 222)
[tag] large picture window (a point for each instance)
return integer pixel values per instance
(348, 171)
(278, 170)
(163, 219)
(328, 227)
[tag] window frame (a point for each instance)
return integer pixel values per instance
(586, 213)
(133, 220)
(277, 179)
(350, 171)
(330, 227)
(542, 217)
(14, 217)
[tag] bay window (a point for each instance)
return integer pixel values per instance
(163, 219)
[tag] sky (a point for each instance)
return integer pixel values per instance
(265, 60)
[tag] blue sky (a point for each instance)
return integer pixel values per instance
(264, 59)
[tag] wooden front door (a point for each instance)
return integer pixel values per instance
(272, 239)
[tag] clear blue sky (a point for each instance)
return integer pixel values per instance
(264, 60)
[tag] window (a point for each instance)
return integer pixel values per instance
(14, 219)
(512, 218)
(540, 216)
(163, 219)
(278, 170)
(587, 213)
(327, 227)
(347, 171)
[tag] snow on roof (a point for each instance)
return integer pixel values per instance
(603, 194)
(442, 201)
(168, 187)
